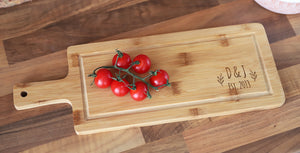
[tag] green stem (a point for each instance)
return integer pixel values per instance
(148, 76)
(132, 64)
(133, 81)
(148, 93)
(120, 54)
(127, 71)
(94, 72)
(117, 60)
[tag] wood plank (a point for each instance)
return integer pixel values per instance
(287, 142)
(34, 70)
(45, 76)
(51, 124)
(35, 127)
(157, 132)
(290, 81)
(9, 114)
(117, 113)
(29, 17)
(7, 107)
(286, 52)
(225, 1)
(32, 127)
(25, 129)
(219, 136)
(295, 22)
(126, 4)
(174, 144)
(92, 25)
(110, 142)
(224, 137)
(3, 59)
(276, 25)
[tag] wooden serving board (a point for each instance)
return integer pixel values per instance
(213, 72)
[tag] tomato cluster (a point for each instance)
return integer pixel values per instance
(141, 64)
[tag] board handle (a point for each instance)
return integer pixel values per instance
(35, 94)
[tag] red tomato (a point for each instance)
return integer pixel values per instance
(140, 93)
(123, 62)
(159, 79)
(120, 88)
(144, 65)
(103, 78)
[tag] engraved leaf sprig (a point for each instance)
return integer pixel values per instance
(253, 74)
(220, 79)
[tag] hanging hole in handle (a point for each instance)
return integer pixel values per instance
(23, 94)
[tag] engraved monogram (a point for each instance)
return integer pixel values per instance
(241, 77)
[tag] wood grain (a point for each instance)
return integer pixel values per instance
(225, 1)
(213, 137)
(40, 125)
(287, 142)
(25, 19)
(36, 69)
(90, 111)
(24, 129)
(290, 81)
(295, 22)
(7, 106)
(110, 142)
(29, 17)
(124, 4)
(94, 24)
(174, 144)
(54, 124)
(157, 132)
(3, 58)
(275, 24)
(286, 52)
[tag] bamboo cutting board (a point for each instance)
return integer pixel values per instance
(217, 71)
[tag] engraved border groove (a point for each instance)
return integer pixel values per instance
(184, 104)
(83, 89)
(262, 65)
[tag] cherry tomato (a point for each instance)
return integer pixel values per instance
(159, 79)
(103, 78)
(120, 88)
(123, 62)
(140, 93)
(144, 65)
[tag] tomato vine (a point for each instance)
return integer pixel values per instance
(127, 71)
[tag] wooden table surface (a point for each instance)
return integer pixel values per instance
(34, 37)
